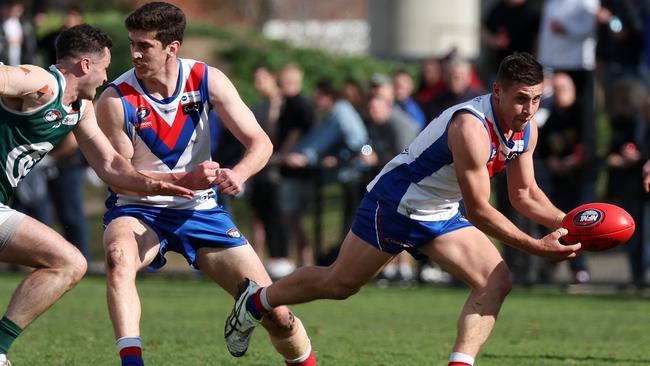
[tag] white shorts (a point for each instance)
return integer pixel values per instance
(9, 220)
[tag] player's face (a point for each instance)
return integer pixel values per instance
(148, 54)
(96, 75)
(517, 104)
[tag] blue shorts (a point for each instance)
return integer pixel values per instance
(392, 232)
(183, 231)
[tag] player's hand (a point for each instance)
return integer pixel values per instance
(169, 189)
(201, 177)
(229, 182)
(551, 248)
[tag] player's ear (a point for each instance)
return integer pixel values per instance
(172, 48)
(496, 89)
(84, 64)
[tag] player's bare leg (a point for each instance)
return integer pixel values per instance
(470, 256)
(229, 267)
(129, 246)
(357, 264)
(58, 266)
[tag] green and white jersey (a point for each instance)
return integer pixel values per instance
(26, 137)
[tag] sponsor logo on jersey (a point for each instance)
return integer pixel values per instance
(22, 159)
(192, 108)
(193, 96)
(71, 119)
(142, 125)
(588, 217)
(234, 233)
(52, 115)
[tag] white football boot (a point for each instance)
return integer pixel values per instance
(240, 324)
(4, 361)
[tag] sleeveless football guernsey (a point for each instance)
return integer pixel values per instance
(168, 135)
(421, 182)
(25, 137)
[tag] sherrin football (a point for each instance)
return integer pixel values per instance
(598, 226)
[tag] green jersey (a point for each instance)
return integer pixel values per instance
(25, 137)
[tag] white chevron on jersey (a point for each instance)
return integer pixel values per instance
(168, 135)
(421, 181)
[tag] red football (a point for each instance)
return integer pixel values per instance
(598, 226)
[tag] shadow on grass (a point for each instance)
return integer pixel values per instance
(609, 360)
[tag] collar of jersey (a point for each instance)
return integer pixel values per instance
(508, 142)
(168, 99)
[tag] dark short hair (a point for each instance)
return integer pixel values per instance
(81, 39)
(326, 87)
(520, 67)
(167, 20)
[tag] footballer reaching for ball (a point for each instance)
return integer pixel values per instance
(413, 205)
(38, 109)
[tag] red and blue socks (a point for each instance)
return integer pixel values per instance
(130, 349)
(257, 305)
(308, 359)
(460, 359)
(9, 331)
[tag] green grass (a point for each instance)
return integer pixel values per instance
(183, 320)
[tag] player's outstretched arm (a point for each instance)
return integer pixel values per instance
(112, 167)
(523, 191)
(25, 80)
(242, 123)
(469, 144)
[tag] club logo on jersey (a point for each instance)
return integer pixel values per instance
(192, 107)
(142, 112)
(22, 159)
(234, 233)
(52, 115)
(588, 217)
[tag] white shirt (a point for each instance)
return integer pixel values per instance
(14, 33)
(575, 49)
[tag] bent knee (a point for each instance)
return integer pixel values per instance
(280, 321)
(75, 268)
(117, 261)
(499, 282)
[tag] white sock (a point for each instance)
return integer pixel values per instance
(124, 342)
(264, 300)
(461, 357)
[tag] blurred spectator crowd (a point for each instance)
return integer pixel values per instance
(593, 136)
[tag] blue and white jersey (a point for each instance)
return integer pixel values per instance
(168, 135)
(421, 182)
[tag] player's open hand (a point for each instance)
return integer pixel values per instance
(551, 248)
(229, 182)
(169, 189)
(204, 176)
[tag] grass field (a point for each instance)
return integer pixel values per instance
(183, 321)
